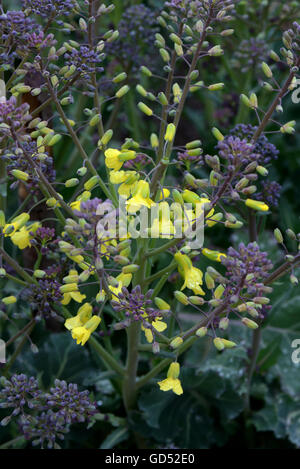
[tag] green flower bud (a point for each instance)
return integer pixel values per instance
(39, 273)
(215, 87)
(81, 171)
(196, 300)
(91, 183)
(175, 39)
(163, 99)
(21, 175)
(278, 235)
(170, 133)
(141, 90)
(164, 55)
(105, 139)
(217, 134)
(94, 120)
(266, 69)
(175, 343)
(120, 77)
(9, 300)
(224, 323)
(181, 297)
(72, 182)
(122, 91)
(145, 109)
(146, 71)
(161, 304)
(249, 323)
(290, 233)
(262, 171)
(210, 283)
(228, 343)
(218, 343)
(201, 332)
(54, 140)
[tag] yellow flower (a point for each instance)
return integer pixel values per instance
(73, 293)
(76, 205)
(193, 277)
(82, 333)
(114, 159)
(127, 179)
(16, 224)
(172, 382)
(162, 226)
(164, 194)
(123, 281)
(23, 237)
(158, 325)
(111, 159)
(83, 315)
(256, 205)
(213, 255)
(141, 197)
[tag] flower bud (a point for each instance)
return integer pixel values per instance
(266, 69)
(215, 86)
(257, 205)
(9, 300)
(145, 109)
(39, 273)
(72, 182)
(91, 183)
(161, 304)
(122, 91)
(170, 133)
(224, 323)
(278, 235)
(228, 343)
(175, 343)
(249, 323)
(120, 77)
(196, 300)
(130, 269)
(217, 134)
(21, 175)
(210, 283)
(181, 297)
(218, 343)
(215, 51)
(201, 332)
(146, 71)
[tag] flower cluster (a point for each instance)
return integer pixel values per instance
(42, 161)
(247, 266)
(266, 150)
(85, 60)
(43, 296)
(13, 117)
(135, 306)
(45, 417)
(50, 8)
(137, 30)
(19, 393)
(250, 54)
(19, 31)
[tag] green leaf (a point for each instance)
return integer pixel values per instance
(59, 357)
(114, 438)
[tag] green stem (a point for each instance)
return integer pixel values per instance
(110, 362)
